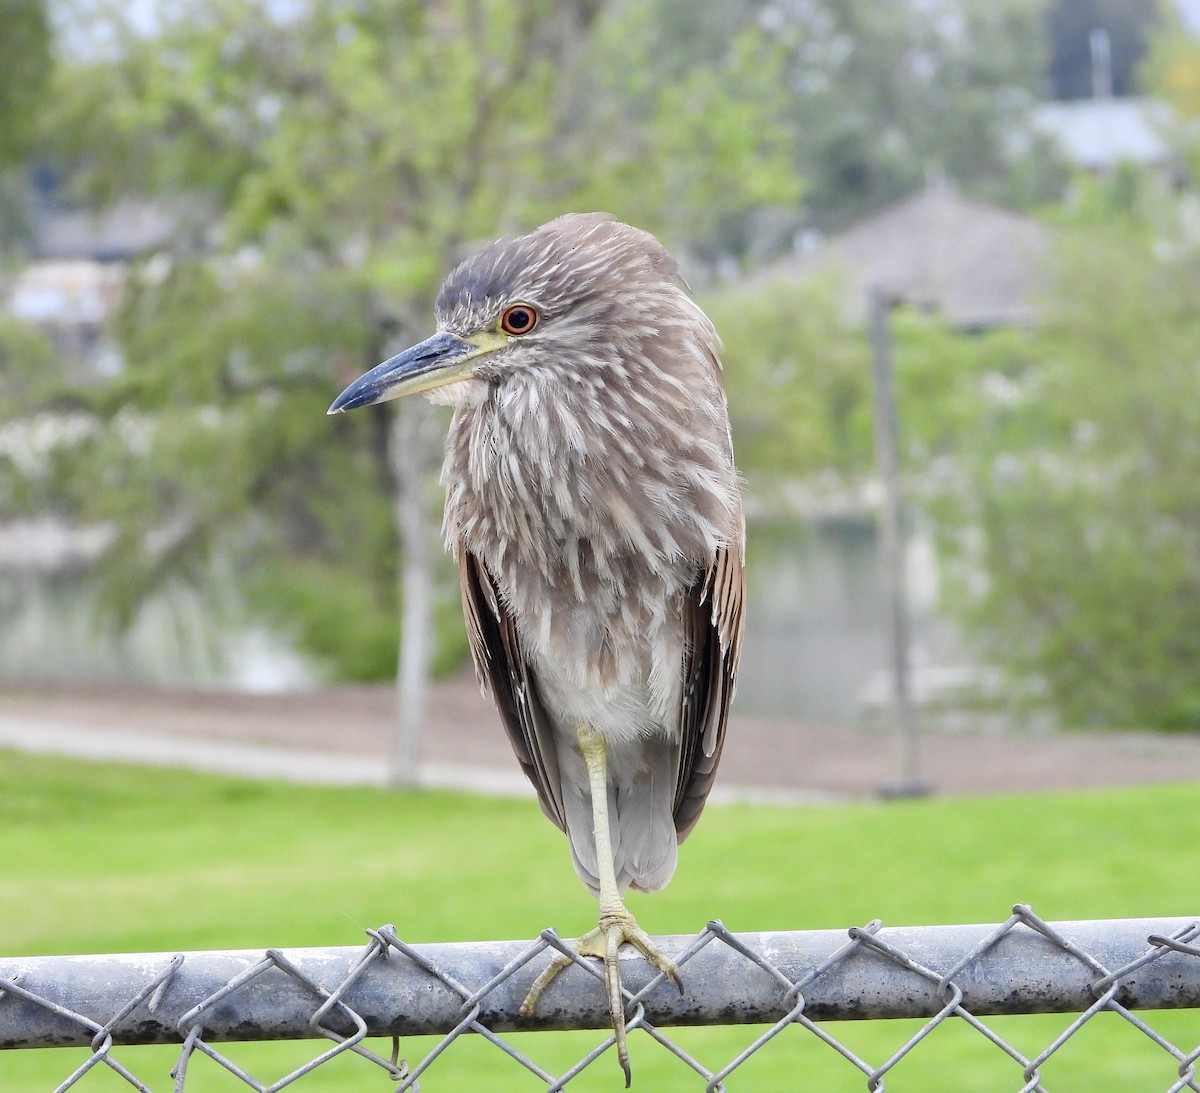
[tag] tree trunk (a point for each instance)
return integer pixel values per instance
(412, 451)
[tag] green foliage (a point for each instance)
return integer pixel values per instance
(333, 614)
(800, 389)
(890, 94)
(943, 379)
(206, 439)
(1172, 69)
(863, 102)
(691, 149)
(1171, 72)
(1086, 487)
(28, 368)
(1061, 466)
(798, 378)
(27, 362)
(245, 865)
(24, 75)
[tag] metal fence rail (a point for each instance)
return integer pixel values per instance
(781, 980)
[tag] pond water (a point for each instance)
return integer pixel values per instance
(815, 640)
(50, 634)
(817, 630)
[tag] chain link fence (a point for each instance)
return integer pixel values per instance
(792, 983)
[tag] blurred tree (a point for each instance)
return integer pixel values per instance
(888, 96)
(678, 118)
(24, 75)
(799, 383)
(1077, 531)
(1172, 73)
(799, 379)
(1083, 508)
(25, 66)
(871, 100)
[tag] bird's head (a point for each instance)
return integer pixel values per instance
(570, 298)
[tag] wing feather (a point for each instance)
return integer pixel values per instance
(713, 622)
(503, 671)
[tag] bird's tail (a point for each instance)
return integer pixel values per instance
(641, 792)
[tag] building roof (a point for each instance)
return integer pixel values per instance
(975, 264)
(78, 292)
(1098, 134)
(122, 231)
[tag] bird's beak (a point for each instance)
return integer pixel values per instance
(444, 358)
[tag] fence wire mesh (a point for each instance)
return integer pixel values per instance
(787, 984)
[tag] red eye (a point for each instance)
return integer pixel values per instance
(518, 319)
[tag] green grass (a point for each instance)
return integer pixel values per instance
(105, 858)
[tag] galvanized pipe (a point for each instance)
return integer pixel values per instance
(728, 979)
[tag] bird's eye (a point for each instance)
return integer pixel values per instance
(518, 319)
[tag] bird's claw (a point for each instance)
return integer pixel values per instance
(616, 927)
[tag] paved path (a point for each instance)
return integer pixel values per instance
(342, 736)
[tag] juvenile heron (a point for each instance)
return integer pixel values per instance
(593, 508)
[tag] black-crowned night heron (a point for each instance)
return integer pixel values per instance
(593, 508)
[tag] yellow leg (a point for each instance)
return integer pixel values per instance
(616, 925)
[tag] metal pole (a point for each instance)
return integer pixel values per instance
(401, 990)
(891, 539)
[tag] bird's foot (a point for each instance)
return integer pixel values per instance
(617, 926)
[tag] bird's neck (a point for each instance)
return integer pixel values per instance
(550, 457)
(538, 477)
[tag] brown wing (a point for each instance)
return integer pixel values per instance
(503, 671)
(713, 621)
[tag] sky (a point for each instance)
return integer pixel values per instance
(1190, 10)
